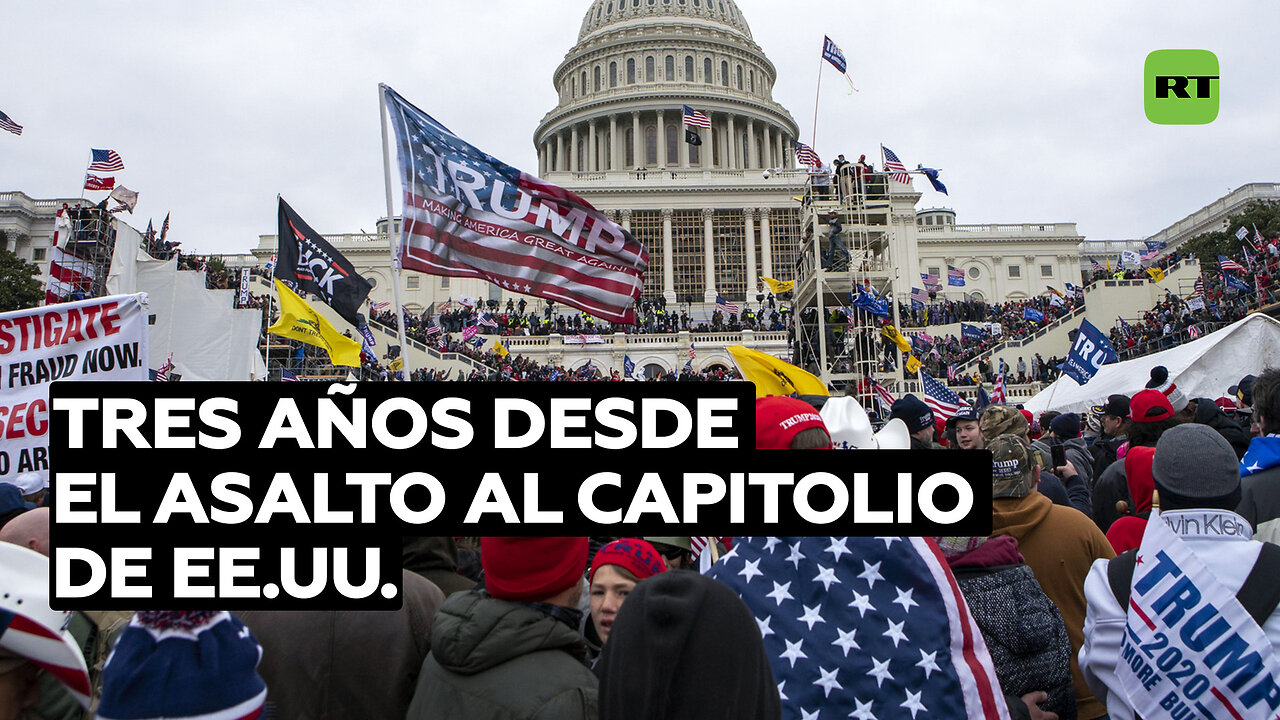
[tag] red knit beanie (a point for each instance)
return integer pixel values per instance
(532, 568)
(635, 556)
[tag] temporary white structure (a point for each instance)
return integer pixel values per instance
(1205, 367)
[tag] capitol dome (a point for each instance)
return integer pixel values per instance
(636, 63)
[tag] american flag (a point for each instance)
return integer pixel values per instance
(951, 372)
(509, 227)
(487, 321)
(806, 156)
(1096, 265)
(1258, 240)
(433, 330)
(1226, 263)
(10, 125)
(930, 279)
(885, 399)
(93, 182)
(105, 161)
(698, 544)
(864, 624)
(955, 276)
(379, 305)
(1194, 332)
(47, 648)
(942, 401)
(692, 354)
(694, 118)
(920, 295)
(895, 166)
(162, 375)
(997, 391)
(731, 308)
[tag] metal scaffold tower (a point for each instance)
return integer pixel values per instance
(838, 343)
(91, 242)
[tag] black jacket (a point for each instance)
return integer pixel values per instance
(1208, 413)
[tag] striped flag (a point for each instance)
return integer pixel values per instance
(920, 295)
(955, 276)
(10, 125)
(162, 375)
(931, 280)
(951, 372)
(884, 397)
(731, 308)
(93, 182)
(379, 305)
(942, 401)
(698, 544)
(806, 156)
(1258, 240)
(509, 227)
(44, 646)
(487, 321)
(1096, 265)
(105, 161)
(692, 354)
(997, 391)
(894, 165)
(1200, 284)
(1226, 263)
(1194, 332)
(693, 118)
(433, 330)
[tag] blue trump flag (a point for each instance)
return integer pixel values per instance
(1089, 353)
(869, 303)
(628, 366)
(1233, 282)
(1033, 314)
(831, 53)
(932, 174)
(972, 332)
(983, 398)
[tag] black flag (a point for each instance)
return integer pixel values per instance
(691, 136)
(310, 263)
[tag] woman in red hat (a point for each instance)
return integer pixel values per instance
(617, 568)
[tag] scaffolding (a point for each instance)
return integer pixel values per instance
(840, 344)
(91, 242)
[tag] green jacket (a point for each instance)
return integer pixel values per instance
(499, 660)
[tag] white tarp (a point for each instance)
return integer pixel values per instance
(103, 338)
(1201, 368)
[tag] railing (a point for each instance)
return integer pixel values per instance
(1023, 229)
(969, 364)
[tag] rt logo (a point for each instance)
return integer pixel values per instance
(1181, 87)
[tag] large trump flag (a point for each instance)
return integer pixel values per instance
(468, 214)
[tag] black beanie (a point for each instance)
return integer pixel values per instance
(685, 647)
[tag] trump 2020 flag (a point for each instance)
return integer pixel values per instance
(1090, 352)
(864, 628)
(468, 214)
(310, 263)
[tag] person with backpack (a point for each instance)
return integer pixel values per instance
(1198, 590)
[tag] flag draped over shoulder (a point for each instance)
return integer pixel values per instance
(468, 214)
(871, 627)
(299, 322)
(310, 263)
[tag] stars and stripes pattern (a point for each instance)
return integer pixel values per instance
(806, 156)
(1226, 263)
(7, 124)
(864, 628)
(1194, 332)
(930, 280)
(997, 391)
(1200, 284)
(725, 305)
(955, 276)
(509, 228)
(698, 544)
(942, 401)
(883, 396)
(920, 295)
(951, 372)
(1258, 240)
(27, 638)
(894, 165)
(693, 118)
(105, 161)
(378, 305)
(487, 321)
(692, 353)
(1096, 265)
(434, 329)
(162, 375)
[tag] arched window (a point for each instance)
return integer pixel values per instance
(597, 78)
(648, 69)
(694, 153)
(706, 70)
(673, 144)
(670, 68)
(745, 160)
(751, 81)
(697, 3)
(631, 71)
(739, 69)
(631, 147)
(650, 146)
(573, 87)
(584, 85)
(724, 73)
(613, 74)
(688, 68)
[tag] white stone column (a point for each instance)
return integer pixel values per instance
(573, 150)
(626, 219)
(765, 249)
(559, 161)
(753, 160)
(731, 147)
(637, 142)
(749, 239)
(767, 144)
(781, 153)
(591, 146)
(668, 258)
(684, 146)
(662, 143)
(708, 255)
(614, 161)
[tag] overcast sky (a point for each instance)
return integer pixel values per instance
(1032, 110)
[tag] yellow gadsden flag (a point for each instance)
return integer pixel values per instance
(913, 364)
(299, 322)
(773, 376)
(777, 287)
(1156, 273)
(892, 333)
(501, 349)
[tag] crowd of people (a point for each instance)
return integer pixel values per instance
(679, 627)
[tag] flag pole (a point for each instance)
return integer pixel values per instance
(271, 277)
(813, 141)
(395, 259)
